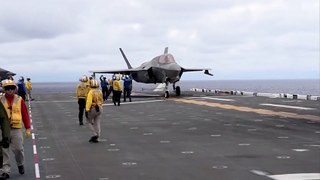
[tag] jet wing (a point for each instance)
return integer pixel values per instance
(116, 71)
(5, 73)
(206, 70)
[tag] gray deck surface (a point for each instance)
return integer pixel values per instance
(169, 140)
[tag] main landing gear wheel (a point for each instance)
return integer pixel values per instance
(178, 92)
(166, 94)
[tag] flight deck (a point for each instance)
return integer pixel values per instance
(196, 136)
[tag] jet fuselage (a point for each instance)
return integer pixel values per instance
(160, 69)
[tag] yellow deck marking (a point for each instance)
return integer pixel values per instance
(248, 109)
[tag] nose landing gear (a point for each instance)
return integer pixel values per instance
(178, 92)
(176, 89)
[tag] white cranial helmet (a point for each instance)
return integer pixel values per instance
(94, 83)
(84, 79)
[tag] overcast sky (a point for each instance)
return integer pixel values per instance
(61, 40)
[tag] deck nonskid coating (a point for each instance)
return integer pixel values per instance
(171, 139)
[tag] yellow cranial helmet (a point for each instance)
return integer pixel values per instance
(8, 82)
(94, 83)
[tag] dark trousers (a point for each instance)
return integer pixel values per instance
(22, 94)
(126, 94)
(110, 91)
(116, 97)
(82, 106)
(105, 93)
(1, 157)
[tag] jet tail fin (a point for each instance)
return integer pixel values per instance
(165, 50)
(125, 58)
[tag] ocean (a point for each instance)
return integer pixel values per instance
(302, 87)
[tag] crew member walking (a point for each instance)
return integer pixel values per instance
(94, 109)
(29, 88)
(5, 131)
(18, 115)
(22, 88)
(82, 91)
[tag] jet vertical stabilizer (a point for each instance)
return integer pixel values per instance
(125, 58)
(166, 50)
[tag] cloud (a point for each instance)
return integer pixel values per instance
(38, 19)
(59, 40)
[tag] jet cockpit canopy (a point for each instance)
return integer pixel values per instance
(166, 59)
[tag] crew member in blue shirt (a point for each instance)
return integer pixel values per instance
(22, 91)
(127, 87)
(104, 87)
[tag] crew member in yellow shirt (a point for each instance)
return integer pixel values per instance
(82, 91)
(117, 90)
(94, 109)
(29, 88)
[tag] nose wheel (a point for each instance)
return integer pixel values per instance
(166, 93)
(176, 89)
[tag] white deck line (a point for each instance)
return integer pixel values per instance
(301, 176)
(287, 106)
(212, 98)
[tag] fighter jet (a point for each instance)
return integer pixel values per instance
(161, 69)
(5, 73)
